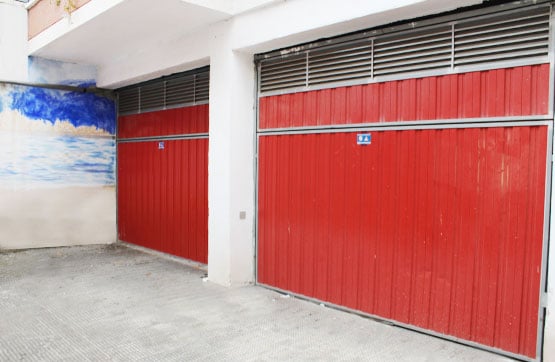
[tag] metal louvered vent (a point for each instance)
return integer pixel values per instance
(503, 38)
(415, 51)
(202, 88)
(128, 100)
(344, 62)
(152, 96)
(169, 92)
(524, 34)
(180, 90)
(288, 72)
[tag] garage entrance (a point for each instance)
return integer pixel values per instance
(163, 165)
(405, 175)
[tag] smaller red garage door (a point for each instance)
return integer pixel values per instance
(163, 181)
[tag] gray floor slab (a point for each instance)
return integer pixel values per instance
(114, 303)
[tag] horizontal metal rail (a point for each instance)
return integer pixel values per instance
(164, 138)
(433, 124)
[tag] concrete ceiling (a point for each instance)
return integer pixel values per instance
(136, 25)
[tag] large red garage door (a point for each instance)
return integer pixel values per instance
(163, 166)
(418, 200)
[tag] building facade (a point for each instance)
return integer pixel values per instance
(393, 158)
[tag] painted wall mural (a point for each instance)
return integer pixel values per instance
(54, 138)
(57, 160)
(51, 137)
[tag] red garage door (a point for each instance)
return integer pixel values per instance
(163, 196)
(435, 220)
(441, 229)
(163, 170)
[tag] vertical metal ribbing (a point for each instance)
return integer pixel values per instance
(546, 239)
(258, 82)
(372, 58)
(165, 90)
(255, 140)
(551, 56)
(116, 171)
(452, 46)
(194, 89)
(306, 69)
(549, 193)
(139, 101)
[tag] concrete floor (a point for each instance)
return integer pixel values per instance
(101, 303)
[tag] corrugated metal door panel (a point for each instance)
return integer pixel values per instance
(518, 91)
(441, 229)
(178, 121)
(162, 196)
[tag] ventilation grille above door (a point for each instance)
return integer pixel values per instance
(521, 35)
(343, 62)
(417, 51)
(284, 73)
(514, 36)
(178, 90)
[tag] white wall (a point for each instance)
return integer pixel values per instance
(231, 172)
(13, 41)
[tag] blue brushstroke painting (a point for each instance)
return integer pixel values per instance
(81, 109)
(48, 154)
(36, 160)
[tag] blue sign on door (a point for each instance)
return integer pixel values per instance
(364, 139)
(160, 145)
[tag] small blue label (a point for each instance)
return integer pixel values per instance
(160, 145)
(364, 139)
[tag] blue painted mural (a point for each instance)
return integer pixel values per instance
(79, 109)
(55, 138)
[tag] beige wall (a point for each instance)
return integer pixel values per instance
(57, 217)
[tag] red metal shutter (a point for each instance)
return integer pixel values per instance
(440, 229)
(163, 196)
(163, 166)
(439, 223)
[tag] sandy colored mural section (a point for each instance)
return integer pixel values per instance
(14, 121)
(57, 216)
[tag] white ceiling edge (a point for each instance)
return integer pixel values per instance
(13, 2)
(31, 3)
(232, 7)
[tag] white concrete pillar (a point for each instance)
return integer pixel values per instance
(231, 164)
(13, 42)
